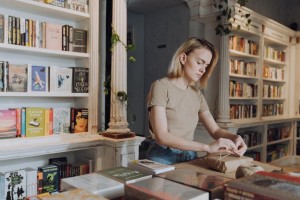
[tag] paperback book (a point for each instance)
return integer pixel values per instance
(61, 120)
(35, 122)
(17, 78)
(8, 124)
(124, 174)
(38, 78)
(61, 79)
(80, 82)
(49, 178)
(79, 120)
(149, 167)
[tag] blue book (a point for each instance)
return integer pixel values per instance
(38, 81)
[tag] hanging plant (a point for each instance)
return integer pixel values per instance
(225, 18)
(115, 38)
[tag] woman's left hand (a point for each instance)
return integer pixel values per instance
(240, 146)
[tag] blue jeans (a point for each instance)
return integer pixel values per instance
(167, 155)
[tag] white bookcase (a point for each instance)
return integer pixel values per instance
(33, 152)
(253, 101)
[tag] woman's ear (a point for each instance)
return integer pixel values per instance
(182, 58)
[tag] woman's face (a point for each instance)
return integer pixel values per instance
(195, 64)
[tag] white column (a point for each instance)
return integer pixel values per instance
(223, 103)
(118, 112)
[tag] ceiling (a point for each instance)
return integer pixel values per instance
(149, 6)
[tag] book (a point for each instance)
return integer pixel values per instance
(13, 185)
(210, 183)
(61, 120)
(2, 21)
(76, 194)
(53, 36)
(8, 123)
(31, 182)
(160, 188)
(60, 79)
(79, 40)
(79, 120)
(17, 78)
(80, 83)
(265, 185)
(95, 183)
(149, 167)
(124, 174)
(227, 163)
(49, 178)
(38, 78)
(35, 122)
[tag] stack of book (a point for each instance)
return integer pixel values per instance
(150, 167)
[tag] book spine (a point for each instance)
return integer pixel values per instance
(2, 20)
(23, 124)
(50, 121)
(18, 122)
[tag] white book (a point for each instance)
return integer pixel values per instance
(60, 79)
(160, 188)
(95, 183)
(61, 120)
(31, 185)
(150, 167)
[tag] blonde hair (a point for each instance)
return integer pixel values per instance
(176, 68)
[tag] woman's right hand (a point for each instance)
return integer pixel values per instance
(222, 145)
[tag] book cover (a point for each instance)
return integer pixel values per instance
(79, 120)
(95, 183)
(8, 123)
(149, 167)
(124, 174)
(60, 79)
(17, 78)
(35, 122)
(80, 83)
(38, 78)
(61, 120)
(210, 183)
(50, 178)
(53, 36)
(13, 185)
(160, 188)
(79, 40)
(31, 182)
(262, 185)
(76, 194)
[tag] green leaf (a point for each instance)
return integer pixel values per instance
(132, 59)
(130, 47)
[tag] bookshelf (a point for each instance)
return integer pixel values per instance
(257, 76)
(18, 153)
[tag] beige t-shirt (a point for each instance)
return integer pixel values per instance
(182, 106)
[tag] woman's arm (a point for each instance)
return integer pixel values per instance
(216, 132)
(158, 120)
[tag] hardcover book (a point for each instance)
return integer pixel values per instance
(13, 185)
(79, 40)
(124, 174)
(35, 122)
(159, 188)
(210, 183)
(95, 183)
(53, 36)
(17, 78)
(264, 185)
(61, 120)
(79, 120)
(8, 124)
(149, 167)
(80, 82)
(31, 182)
(60, 79)
(38, 78)
(50, 178)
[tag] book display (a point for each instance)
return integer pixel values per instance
(26, 47)
(257, 76)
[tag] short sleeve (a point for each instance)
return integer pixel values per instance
(158, 95)
(203, 103)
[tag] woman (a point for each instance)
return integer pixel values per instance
(176, 104)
